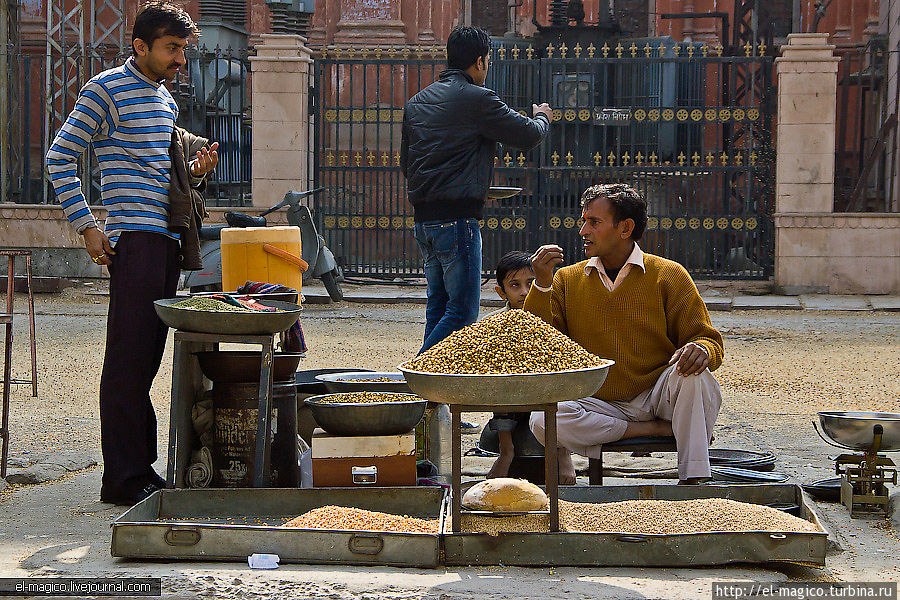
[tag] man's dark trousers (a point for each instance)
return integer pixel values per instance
(144, 269)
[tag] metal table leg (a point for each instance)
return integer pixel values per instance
(551, 464)
(31, 326)
(264, 417)
(455, 469)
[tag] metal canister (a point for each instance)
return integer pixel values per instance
(235, 422)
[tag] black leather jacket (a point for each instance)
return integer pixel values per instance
(449, 141)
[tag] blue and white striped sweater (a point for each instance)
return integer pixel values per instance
(129, 119)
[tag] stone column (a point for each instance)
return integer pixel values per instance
(804, 171)
(280, 76)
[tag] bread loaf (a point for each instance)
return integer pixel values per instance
(505, 494)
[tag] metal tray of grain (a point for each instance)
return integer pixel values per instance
(231, 524)
(647, 550)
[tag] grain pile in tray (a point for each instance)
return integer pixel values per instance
(512, 342)
(357, 519)
(210, 305)
(649, 517)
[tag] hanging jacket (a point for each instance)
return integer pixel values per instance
(186, 208)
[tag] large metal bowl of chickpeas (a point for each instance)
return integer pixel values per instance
(513, 358)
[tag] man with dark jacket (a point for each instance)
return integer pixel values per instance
(450, 134)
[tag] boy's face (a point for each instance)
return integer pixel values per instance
(515, 286)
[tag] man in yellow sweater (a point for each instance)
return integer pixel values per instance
(644, 312)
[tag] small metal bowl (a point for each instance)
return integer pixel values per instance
(369, 418)
(496, 192)
(359, 381)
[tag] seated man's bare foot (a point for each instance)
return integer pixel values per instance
(500, 468)
(566, 468)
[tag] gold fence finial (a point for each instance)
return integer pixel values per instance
(507, 159)
(748, 48)
(724, 158)
(563, 49)
(529, 52)
(619, 50)
(690, 50)
(555, 158)
(739, 159)
(681, 159)
(676, 49)
(597, 159)
(695, 159)
(704, 49)
(515, 52)
(710, 158)
(591, 50)
(569, 158)
(626, 158)
(501, 52)
(577, 50)
(385, 159)
(647, 50)
(605, 50)
(521, 159)
(762, 49)
(639, 158)
(611, 158)
(653, 159)
(633, 50)
(662, 50)
(550, 50)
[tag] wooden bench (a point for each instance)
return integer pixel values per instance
(637, 444)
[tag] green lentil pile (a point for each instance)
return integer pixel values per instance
(209, 305)
(512, 342)
(366, 398)
(372, 380)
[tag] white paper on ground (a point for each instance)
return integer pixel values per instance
(263, 561)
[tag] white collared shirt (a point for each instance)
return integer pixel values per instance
(636, 258)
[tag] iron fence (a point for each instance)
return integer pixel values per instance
(212, 96)
(691, 129)
(865, 160)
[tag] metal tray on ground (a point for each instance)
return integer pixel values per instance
(231, 524)
(626, 549)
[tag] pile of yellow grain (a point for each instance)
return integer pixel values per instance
(649, 517)
(357, 519)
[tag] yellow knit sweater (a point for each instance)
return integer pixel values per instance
(639, 325)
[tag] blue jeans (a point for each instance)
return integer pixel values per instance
(452, 253)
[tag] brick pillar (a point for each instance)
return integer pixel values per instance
(280, 115)
(804, 171)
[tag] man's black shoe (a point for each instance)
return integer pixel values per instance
(157, 480)
(132, 499)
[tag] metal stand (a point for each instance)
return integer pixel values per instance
(187, 383)
(551, 464)
(6, 319)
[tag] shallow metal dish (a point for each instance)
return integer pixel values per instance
(371, 418)
(853, 430)
(350, 382)
(507, 390)
(237, 323)
(497, 192)
(242, 366)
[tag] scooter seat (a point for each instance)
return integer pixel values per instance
(212, 232)
(236, 219)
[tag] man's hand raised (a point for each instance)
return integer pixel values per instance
(542, 109)
(543, 261)
(692, 358)
(205, 161)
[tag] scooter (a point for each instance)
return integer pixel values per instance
(312, 247)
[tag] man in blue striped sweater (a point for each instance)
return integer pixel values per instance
(128, 114)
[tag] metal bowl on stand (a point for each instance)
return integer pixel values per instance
(507, 390)
(369, 418)
(242, 366)
(227, 322)
(364, 381)
(853, 430)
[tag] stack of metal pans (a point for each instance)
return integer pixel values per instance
(742, 459)
(736, 475)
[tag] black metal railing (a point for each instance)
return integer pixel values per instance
(865, 157)
(660, 116)
(212, 97)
